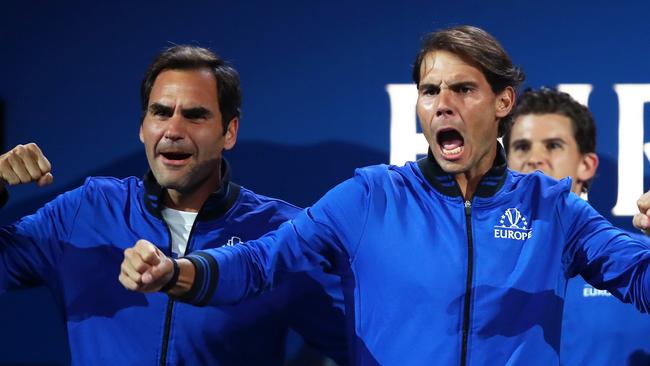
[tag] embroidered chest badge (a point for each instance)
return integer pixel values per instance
(513, 225)
(233, 241)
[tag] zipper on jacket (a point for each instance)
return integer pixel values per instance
(468, 284)
(170, 304)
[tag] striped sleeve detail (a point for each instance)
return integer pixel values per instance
(206, 279)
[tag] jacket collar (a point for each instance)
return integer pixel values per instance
(217, 204)
(446, 184)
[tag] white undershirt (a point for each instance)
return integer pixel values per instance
(180, 224)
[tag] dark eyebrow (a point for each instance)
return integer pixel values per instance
(520, 141)
(196, 113)
(554, 139)
(428, 85)
(461, 84)
(428, 88)
(160, 109)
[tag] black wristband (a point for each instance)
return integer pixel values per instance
(206, 277)
(172, 281)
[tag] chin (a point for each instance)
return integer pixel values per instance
(175, 183)
(450, 167)
(453, 168)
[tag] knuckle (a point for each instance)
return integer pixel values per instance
(150, 251)
(141, 243)
(21, 150)
(127, 283)
(13, 157)
(140, 267)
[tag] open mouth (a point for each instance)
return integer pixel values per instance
(176, 156)
(451, 143)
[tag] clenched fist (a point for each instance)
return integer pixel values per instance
(25, 164)
(145, 268)
(642, 220)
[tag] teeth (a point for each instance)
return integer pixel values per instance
(454, 151)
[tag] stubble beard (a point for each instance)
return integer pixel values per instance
(191, 181)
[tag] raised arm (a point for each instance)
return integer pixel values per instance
(25, 164)
(29, 248)
(606, 256)
(642, 219)
(323, 236)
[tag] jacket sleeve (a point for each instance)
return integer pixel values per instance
(604, 255)
(325, 235)
(30, 247)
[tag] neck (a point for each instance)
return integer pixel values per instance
(468, 181)
(193, 200)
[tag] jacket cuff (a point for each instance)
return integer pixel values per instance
(206, 277)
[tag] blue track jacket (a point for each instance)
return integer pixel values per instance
(597, 329)
(431, 279)
(74, 245)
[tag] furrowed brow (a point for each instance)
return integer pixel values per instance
(429, 86)
(463, 84)
(160, 109)
(196, 113)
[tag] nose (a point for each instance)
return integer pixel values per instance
(445, 103)
(175, 129)
(538, 158)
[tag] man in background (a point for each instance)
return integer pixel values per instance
(551, 132)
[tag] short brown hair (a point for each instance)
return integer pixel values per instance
(477, 47)
(184, 57)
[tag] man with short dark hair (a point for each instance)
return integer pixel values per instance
(555, 134)
(187, 202)
(453, 259)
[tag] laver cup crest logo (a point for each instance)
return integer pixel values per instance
(512, 225)
(513, 217)
(232, 241)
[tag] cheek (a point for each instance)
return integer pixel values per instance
(514, 161)
(564, 165)
(425, 107)
(426, 132)
(424, 110)
(150, 139)
(209, 145)
(425, 103)
(149, 132)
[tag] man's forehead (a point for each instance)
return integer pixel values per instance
(190, 78)
(194, 86)
(542, 126)
(444, 66)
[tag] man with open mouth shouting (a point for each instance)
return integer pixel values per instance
(453, 259)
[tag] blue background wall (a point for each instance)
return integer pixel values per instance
(313, 77)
